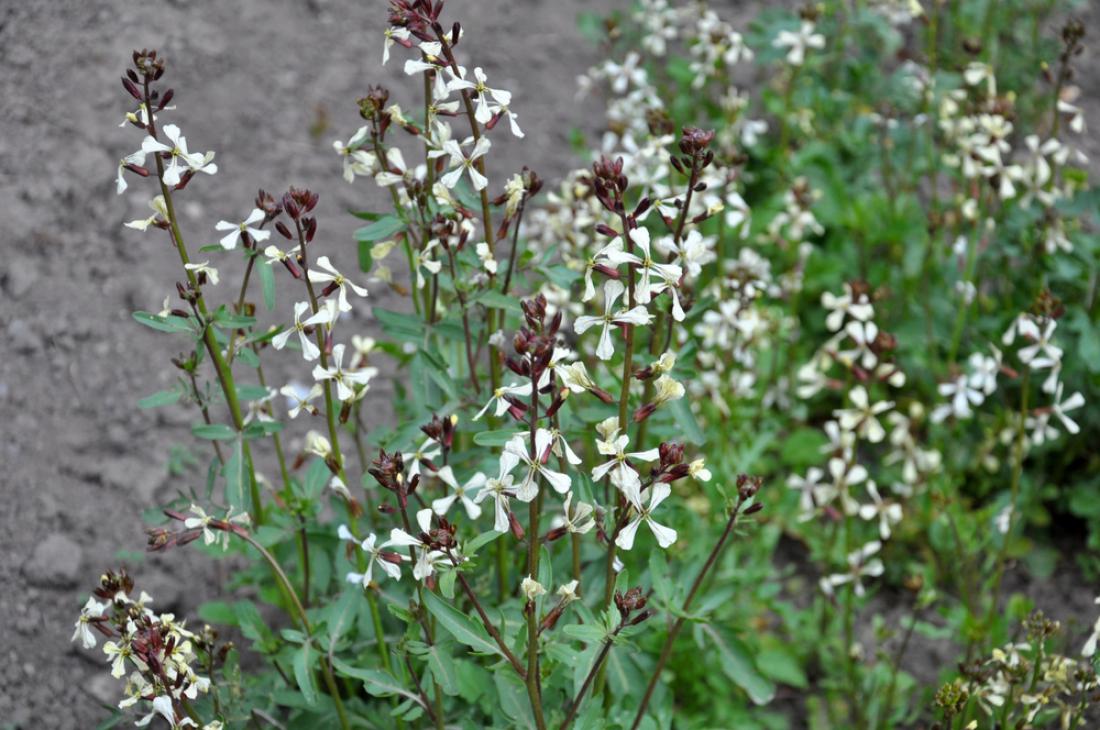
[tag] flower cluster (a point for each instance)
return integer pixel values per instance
(153, 653)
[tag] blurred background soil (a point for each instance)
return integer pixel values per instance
(267, 84)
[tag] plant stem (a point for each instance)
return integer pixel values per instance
(596, 666)
(225, 374)
(1014, 497)
(534, 688)
(493, 632)
(678, 624)
(303, 621)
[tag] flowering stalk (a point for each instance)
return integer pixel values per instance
(746, 491)
(225, 374)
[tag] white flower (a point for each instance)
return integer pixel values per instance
(669, 274)
(180, 159)
(134, 158)
(798, 41)
(337, 280)
(92, 609)
(847, 304)
(458, 492)
(519, 448)
(298, 398)
(426, 557)
(863, 417)
(568, 591)
(962, 395)
(499, 490)
(414, 458)
(394, 161)
(1060, 407)
(204, 267)
(160, 213)
(356, 161)
(812, 492)
(424, 262)
(888, 513)
(577, 521)
(698, 470)
(863, 334)
(309, 348)
(984, 371)
(483, 112)
(860, 565)
(317, 444)
(622, 473)
(613, 289)
(574, 376)
(1041, 353)
(1090, 644)
(162, 705)
(502, 403)
(532, 589)
(374, 552)
(459, 163)
(665, 535)
(486, 255)
(229, 241)
(666, 389)
(202, 521)
(345, 380)
(394, 35)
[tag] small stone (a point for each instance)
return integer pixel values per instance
(23, 339)
(134, 476)
(103, 687)
(21, 276)
(55, 563)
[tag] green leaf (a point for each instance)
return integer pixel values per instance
(213, 431)
(251, 622)
(588, 633)
(164, 324)
(459, 625)
(737, 663)
(303, 673)
(366, 261)
(443, 669)
(513, 699)
(233, 471)
(377, 682)
(267, 281)
(385, 227)
(494, 438)
(685, 419)
(496, 300)
(481, 541)
(163, 398)
(447, 583)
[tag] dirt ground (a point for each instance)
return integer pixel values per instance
(268, 84)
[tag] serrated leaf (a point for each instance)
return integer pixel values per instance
(459, 625)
